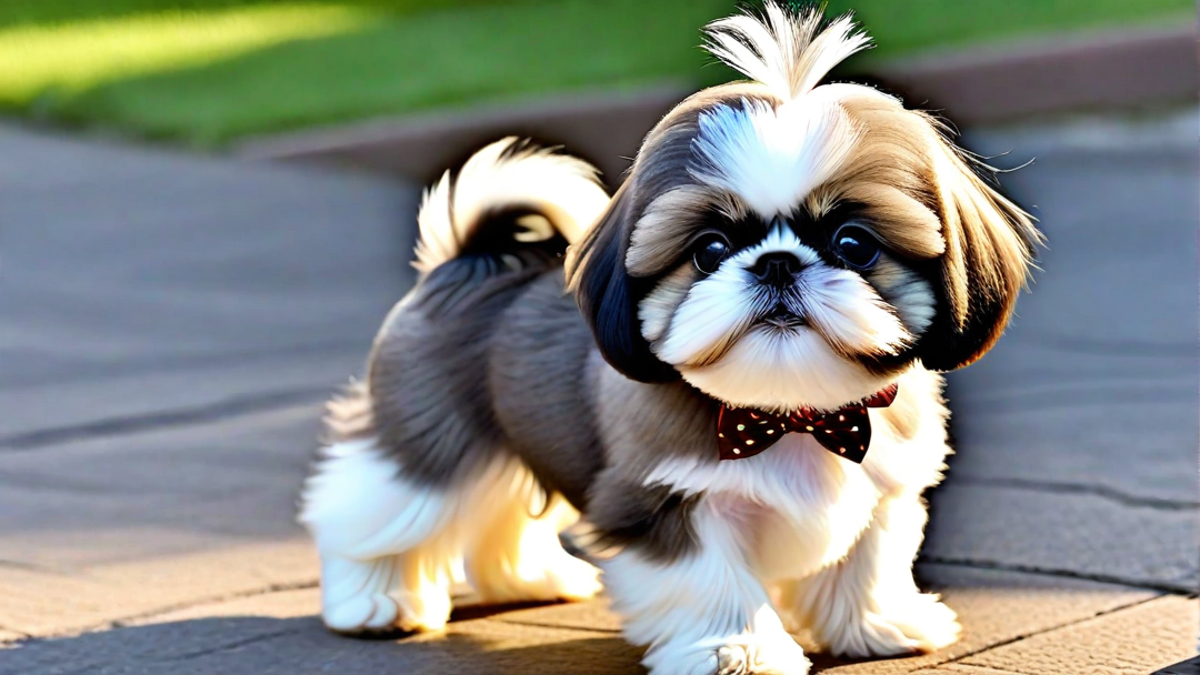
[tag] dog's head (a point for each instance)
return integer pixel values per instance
(782, 244)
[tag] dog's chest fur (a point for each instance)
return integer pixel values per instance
(577, 422)
(797, 506)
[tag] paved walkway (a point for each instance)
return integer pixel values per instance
(170, 325)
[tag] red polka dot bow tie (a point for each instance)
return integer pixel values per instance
(743, 432)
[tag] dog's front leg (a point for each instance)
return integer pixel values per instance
(868, 605)
(700, 610)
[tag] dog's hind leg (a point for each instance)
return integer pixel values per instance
(514, 553)
(389, 545)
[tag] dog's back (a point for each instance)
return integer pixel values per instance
(486, 235)
(419, 478)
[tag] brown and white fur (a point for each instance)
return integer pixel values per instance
(505, 397)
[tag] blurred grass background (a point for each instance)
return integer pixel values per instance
(207, 72)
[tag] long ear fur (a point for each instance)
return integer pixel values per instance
(990, 244)
(608, 296)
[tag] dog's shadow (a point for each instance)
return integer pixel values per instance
(478, 642)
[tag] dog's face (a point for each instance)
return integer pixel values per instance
(780, 244)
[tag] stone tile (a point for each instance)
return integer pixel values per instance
(1078, 533)
(996, 607)
(290, 604)
(960, 669)
(579, 615)
(162, 262)
(257, 645)
(175, 491)
(51, 603)
(1093, 384)
(1132, 641)
(125, 403)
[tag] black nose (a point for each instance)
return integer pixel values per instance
(778, 269)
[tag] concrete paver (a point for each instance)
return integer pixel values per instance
(129, 274)
(1093, 386)
(997, 607)
(1132, 641)
(162, 492)
(1031, 529)
(249, 644)
(960, 669)
(45, 603)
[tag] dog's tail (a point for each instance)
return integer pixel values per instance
(512, 205)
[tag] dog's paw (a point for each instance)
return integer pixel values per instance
(554, 576)
(750, 654)
(777, 656)
(574, 579)
(360, 597)
(918, 624)
(384, 612)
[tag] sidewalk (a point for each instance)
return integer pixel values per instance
(172, 324)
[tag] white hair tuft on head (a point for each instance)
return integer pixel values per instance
(783, 49)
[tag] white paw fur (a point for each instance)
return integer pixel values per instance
(764, 653)
(920, 624)
(367, 597)
(391, 548)
(867, 605)
(704, 613)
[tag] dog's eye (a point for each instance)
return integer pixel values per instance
(857, 247)
(709, 251)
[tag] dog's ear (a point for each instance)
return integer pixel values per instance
(990, 244)
(608, 296)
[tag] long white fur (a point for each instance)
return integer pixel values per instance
(867, 604)
(772, 157)
(782, 52)
(391, 547)
(562, 187)
(705, 613)
(829, 544)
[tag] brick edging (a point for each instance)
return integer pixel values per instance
(1123, 70)
(1117, 70)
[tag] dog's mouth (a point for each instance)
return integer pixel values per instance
(782, 317)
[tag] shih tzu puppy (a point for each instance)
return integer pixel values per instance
(733, 378)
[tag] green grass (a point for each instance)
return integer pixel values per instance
(206, 72)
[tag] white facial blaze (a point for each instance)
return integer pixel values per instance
(773, 157)
(848, 311)
(771, 367)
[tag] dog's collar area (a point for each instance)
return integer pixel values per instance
(846, 432)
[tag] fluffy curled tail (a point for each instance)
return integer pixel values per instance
(512, 203)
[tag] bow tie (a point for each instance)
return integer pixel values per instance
(742, 432)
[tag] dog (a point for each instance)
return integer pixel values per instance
(730, 369)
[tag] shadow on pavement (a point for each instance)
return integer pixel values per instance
(266, 646)
(269, 646)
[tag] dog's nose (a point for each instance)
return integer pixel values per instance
(778, 269)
